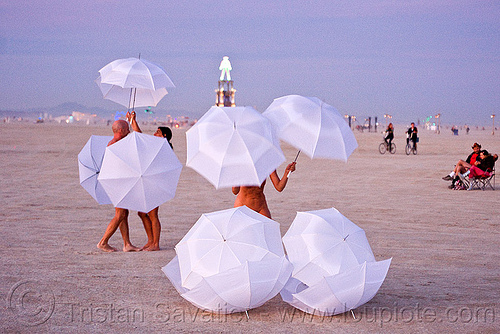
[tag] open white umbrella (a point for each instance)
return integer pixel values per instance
(133, 82)
(233, 146)
(337, 293)
(89, 166)
(143, 97)
(334, 267)
(312, 126)
(140, 172)
(324, 242)
(230, 261)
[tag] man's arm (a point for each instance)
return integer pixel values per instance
(280, 184)
(469, 158)
(131, 116)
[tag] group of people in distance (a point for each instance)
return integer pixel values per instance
(251, 196)
(411, 135)
(479, 163)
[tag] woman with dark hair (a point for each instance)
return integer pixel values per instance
(165, 132)
(150, 220)
(483, 165)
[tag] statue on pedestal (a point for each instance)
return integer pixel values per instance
(225, 68)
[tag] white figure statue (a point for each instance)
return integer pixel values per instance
(225, 67)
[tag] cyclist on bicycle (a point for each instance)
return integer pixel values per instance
(412, 134)
(389, 136)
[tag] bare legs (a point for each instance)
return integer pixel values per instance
(119, 220)
(461, 167)
(152, 226)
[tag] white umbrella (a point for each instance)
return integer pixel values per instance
(143, 97)
(230, 261)
(238, 289)
(337, 293)
(331, 256)
(140, 172)
(233, 146)
(133, 82)
(324, 242)
(135, 73)
(312, 126)
(89, 166)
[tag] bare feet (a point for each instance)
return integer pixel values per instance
(151, 248)
(106, 247)
(131, 248)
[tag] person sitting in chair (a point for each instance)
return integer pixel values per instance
(482, 167)
(463, 166)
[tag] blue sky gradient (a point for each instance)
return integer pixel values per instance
(406, 58)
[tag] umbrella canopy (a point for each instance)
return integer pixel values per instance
(143, 97)
(135, 73)
(140, 172)
(323, 243)
(334, 267)
(312, 126)
(133, 82)
(89, 166)
(230, 261)
(337, 293)
(238, 289)
(233, 146)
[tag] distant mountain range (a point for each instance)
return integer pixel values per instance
(66, 109)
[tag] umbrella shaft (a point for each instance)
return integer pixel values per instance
(296, 156)
(134, 90)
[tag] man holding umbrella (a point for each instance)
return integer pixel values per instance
(120, 130)
(253, 196)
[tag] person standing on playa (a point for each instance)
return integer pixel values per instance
(150, 220)
(120, 130)
(253, 196)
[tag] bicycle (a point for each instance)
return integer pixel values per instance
(411, 147)
(383, 147)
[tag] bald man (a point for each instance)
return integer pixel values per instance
(120, 130)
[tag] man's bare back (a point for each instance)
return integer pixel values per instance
(254, 197)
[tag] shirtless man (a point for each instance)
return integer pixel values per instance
(253, 196)
(120, 130)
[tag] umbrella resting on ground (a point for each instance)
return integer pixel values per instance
(230, 261)
(334, 269)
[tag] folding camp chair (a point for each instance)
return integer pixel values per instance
(482, 182)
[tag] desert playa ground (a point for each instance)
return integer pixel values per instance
(444, 243)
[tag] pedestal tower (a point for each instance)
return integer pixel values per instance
(225, 91)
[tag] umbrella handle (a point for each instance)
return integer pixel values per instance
(288, 175)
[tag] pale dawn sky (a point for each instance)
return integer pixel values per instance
(405, 58)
